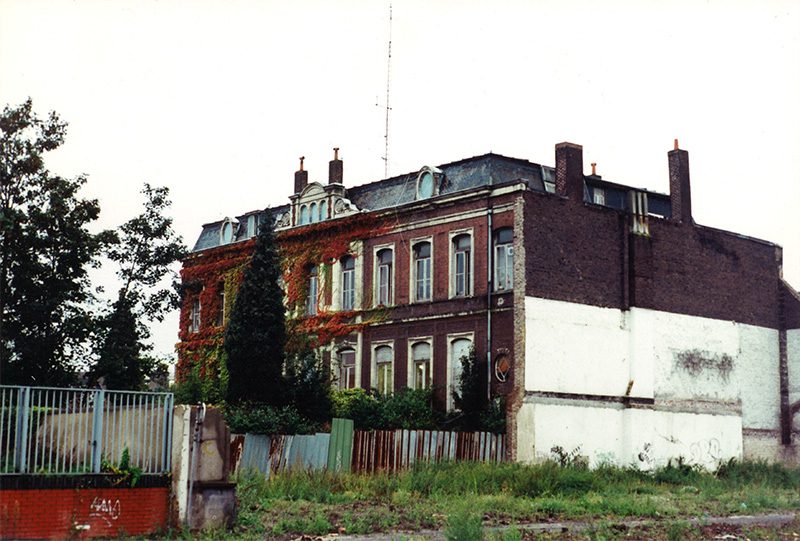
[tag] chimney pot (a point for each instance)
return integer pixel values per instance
(676, 145)
(336, 169)
(594, 169)
(300, 177)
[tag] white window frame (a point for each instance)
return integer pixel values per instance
(412, 265)
(598, 196)
(312, 301)
(374, 346)
(376, 275)
(471, 282)
(343, 284)
(451, 383)
(509, 285)
(346, 346)
(411, 371)
(195, 318)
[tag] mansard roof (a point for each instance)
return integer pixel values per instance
(458, 176)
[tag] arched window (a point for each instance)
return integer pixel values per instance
(421, 357)
(422, 271)
(314, 215)
(461, 274)
(348, 282)
(323, 210)
(313, 291)
(384, 261)
(384, 359)
(347, 369)
(459, 350)
(226, 233)
(303, 215)
(504, 259)
(194, 316)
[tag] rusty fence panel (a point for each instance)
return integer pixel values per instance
(371, 451)
(393, 450)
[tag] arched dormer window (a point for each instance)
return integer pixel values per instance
(323, 210)
(303, 215)
(314, 215)
(226, 232)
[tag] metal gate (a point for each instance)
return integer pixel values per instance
(59, 430)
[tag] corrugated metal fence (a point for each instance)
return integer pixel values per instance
(346, 449)
(56, 430)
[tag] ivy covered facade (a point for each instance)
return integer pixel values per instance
(578, 295)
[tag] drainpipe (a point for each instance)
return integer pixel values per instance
(198, 431)
(489, 285)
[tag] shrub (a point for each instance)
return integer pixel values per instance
(254, 418)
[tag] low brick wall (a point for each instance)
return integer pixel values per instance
(61, 507)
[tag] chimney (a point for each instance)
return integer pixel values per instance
(680, 193)
(569, 171)
(336, 169)
(300, 177)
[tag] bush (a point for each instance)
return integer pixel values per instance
(359, 405)
(254, 418)
(307, 386)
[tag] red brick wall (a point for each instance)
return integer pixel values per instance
(82, 512)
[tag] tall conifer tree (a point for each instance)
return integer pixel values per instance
(256, 333)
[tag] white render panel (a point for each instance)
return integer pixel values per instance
(793, 358)
(707, 377)
(644, 438)
(574, 348)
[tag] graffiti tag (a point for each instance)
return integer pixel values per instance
(706, 450)
(106, 509)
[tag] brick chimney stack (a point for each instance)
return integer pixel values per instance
(680, 193)
(300, 177)
(569, 171)
(336, 169)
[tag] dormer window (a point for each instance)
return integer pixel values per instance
(323, 210)
(303, 215)
(314, 215)
(428, 182)
(252, 224)
(226, 232)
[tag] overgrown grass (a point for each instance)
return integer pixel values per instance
(452, 495)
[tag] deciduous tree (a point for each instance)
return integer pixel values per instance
(46, 252)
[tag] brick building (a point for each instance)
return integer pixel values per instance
(607, 317)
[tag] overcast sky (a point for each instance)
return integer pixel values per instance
(217, 100)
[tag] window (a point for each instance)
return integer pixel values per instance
(462, 265)
(383, 261)
(598, 196)
(323, 210)
(384, 359)
(347, 369)
(303, 215)
(251, 225)
(194, 315)
(314, 216)
(425, 185)
(504, 259)
(459, 348)
(422, 271)
(348, 282)
(421, 359)
(313, 291)
(221, 301)
(226, 233)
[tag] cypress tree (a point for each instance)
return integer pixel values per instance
(256, 333)
(120, 364)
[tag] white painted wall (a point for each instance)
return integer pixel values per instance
(793, 356)
(708, 378)
(645, 438)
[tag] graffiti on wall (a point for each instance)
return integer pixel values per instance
(105, 509)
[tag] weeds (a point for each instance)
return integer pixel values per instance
(461, 497)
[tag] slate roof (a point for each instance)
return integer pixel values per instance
(459, 176)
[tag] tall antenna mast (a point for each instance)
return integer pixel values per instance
(388, 108)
